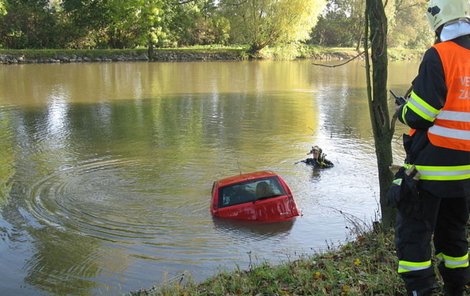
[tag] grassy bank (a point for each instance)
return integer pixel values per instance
(365, 266)
(289, 52)
(94, 53)
(23, 56)
(53, 53)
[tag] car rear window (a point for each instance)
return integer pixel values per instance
(250, 191)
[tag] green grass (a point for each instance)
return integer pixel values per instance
(401, 54)
(210, 48)
(365, 266)
(52, 53)
(287, 52)
(97, 53)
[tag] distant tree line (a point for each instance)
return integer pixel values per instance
(342, 24)
(175, 23)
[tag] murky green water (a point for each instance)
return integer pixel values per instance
(106, 169)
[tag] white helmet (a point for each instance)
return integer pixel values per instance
(443, 11)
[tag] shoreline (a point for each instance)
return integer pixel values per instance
(107, 56)
(59, 56)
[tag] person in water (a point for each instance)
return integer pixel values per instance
(318, 159)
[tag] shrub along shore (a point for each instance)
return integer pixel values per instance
(30, 56)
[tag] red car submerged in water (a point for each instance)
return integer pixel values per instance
(260, 196)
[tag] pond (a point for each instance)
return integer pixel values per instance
(106, 169)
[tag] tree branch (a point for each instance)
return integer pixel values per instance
(338, 65)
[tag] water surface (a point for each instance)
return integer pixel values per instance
(106, 169)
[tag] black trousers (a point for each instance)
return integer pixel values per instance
(442, 220)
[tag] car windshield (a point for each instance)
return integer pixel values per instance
(250, 191)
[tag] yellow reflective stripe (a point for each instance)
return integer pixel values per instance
(403, 112)
(407, 266)
(442, 173)
(454, 262)
(397, 181)
(446, 178)
(420, 107)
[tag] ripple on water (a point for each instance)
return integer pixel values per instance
(101, 198)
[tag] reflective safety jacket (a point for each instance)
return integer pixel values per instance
(451, 127)
(439, 110)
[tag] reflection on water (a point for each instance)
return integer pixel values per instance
(106, 169)
(260, 230)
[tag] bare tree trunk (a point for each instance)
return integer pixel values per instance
(358, 43)
(150, 50)
(376, 20)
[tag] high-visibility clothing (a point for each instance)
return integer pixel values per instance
(442, 220)
(449, 124)
(438, 111)
(449, 262)
(407, 266)
(454, 262)
(442, 173)
(451, 127)
(421, 107)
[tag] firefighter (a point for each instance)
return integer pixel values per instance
(436, 186)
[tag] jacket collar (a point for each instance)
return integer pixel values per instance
(455, 29)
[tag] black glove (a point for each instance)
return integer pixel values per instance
(400, 101)
(403, 193)
(393, 196)
(410, 202)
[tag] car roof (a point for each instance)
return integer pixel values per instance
(245, 177)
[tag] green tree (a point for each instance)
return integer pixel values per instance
(119, 23)
(86, 22)
(3, 9)
(27, 24)
(121, 29)
(329, 30)
(199, 22)
(409, 29)
(341, 24)
(262, 23)
(356, 10)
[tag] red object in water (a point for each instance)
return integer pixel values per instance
(260, 196)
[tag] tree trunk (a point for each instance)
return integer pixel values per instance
(254, 49)
(150, 50)
(358, 38)
(377, 97)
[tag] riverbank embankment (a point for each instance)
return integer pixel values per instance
(103, 56)
(36, 56)
(365, 266)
